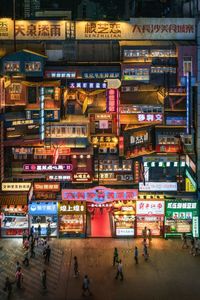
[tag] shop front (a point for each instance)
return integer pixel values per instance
(181, 216)
(124, 218)
(14, 215)
(72, 219)
(44, 214)
(101, 222)
(150, 214)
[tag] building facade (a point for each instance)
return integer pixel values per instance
(100, 127)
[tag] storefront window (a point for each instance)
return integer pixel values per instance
(34, 66)
(12, 66)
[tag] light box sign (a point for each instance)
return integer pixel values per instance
(81, 177)
(137, 29)
(72, 208)
(99, 194)
(148, 118)
(151, 208)
(104, 141)
(125, 232)
(47, 167)
(139, 137)
(87, 85)
(47, 186)
(66, 177)
(112, 98)
(195, 227)
(158, 186)
(43, 208)
(100, 75)
(16, 186)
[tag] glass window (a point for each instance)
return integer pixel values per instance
(187, 65)
(12, 66)
(34, 66)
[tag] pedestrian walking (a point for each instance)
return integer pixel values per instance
(44, 279)
(145, 253)
(19, 278)
(17, 266)
(119, 271)
(48, 231)
(32, 252)
(24, 236)
(144, 242)
(47, 254)
(39, 230)
(192, 246)
(144, 232)
(76, 272)
(8, 287)
(26, 259)
(136, 255)
(115, 257)
(184, 238)
(36, 237)
(26, 244)
(149, 236)
(32, 230)
(86, 286)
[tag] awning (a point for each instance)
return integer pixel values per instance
(13, 199)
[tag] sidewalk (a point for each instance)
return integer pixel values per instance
(170, 273)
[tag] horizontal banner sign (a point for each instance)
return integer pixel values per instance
(158, 186)
(47, 168)
(15, 186)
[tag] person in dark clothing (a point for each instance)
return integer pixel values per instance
(136, 255)
(8, 287)
(47, 254)
(32, 249)
(44, 279)
(76, 272)
(26, 259)
(115, 257)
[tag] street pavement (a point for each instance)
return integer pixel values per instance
(170, 273)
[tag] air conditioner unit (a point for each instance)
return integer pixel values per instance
(113, 150)
(127, 177)
(103, 150)
(119, 177)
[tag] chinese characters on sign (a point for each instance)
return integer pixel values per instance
(99, 194)
(104, 141)
(6, 29)
(182, 205)
(195, 227)
(158, 186)
(40, 30)
(100, 75)
(43, 208)
(112, 98)
(139, 138)
(45, 186)
(138, 29)
(76, 208)
(47, 168)
(82, 177)
(150, 118)
(87, 85)
(44, 196)
(67, 177)
(150, 207)
(15, 186)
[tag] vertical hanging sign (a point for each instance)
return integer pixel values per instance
(112, 98)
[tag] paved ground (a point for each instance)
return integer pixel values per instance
(170, 273)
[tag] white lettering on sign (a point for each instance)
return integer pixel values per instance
(157, 186)
(180, 205)
(15, 186)
(72, 208)
(150, 118)
(150, 207)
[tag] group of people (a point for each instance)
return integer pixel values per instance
(29, 243)
(118, 261)
(194, 244)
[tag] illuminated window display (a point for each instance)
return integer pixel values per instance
(181, 217)
(45, 214)
(124, 218)
(33, 66)
(150, 214)
(14, 220)
(72, 219)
